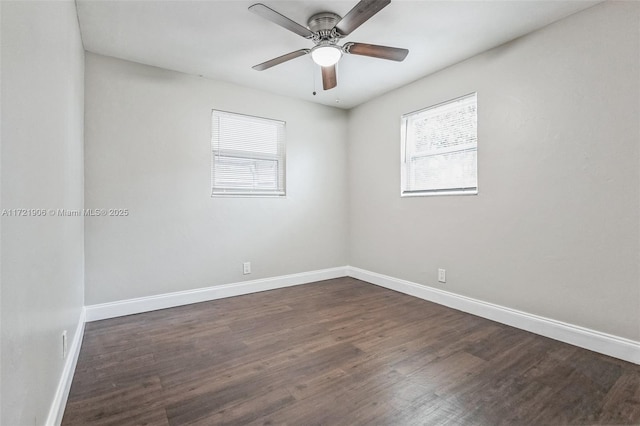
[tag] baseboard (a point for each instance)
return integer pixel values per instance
(64, 385)
(170, 300)
(607, 344)
(596, 341)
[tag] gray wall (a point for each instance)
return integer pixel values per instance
(148, 149)
(554, 230)
(42, 168)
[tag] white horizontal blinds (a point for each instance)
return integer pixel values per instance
(248, 155)
(440, 147)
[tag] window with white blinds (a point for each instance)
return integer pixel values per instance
(439, 149)
(248, 155)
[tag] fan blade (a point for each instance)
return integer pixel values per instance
(329, 78)
(375, 51)
(280, 59)
(359, 15)
(277, 18)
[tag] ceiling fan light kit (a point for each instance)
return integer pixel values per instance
(325, 30)
(326, 55)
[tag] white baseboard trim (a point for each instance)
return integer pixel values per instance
(618, 347)
(596, 341)
(170, 300)
(64, 385)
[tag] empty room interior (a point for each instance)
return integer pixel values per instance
(320, 212)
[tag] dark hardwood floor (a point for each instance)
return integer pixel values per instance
(338, 352)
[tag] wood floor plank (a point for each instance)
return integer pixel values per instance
(140, 403)
(622, 403)
(338, 352)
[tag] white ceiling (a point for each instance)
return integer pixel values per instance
(222, 40)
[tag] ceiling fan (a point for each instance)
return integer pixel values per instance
(326, 29)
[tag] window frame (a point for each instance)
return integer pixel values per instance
(404, 119)
(279, 158)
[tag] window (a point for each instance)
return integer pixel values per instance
(439, 149)
(248, 155)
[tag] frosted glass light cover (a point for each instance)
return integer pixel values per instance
(325, 56)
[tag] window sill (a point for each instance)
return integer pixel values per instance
(438, 193)
(231, 195)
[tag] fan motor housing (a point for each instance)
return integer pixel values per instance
(324, 21)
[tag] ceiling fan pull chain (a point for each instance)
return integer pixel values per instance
(337, 88)
(313, 73)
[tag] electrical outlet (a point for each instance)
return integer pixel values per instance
(442, 276)
(64, 344)
(246, 268)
